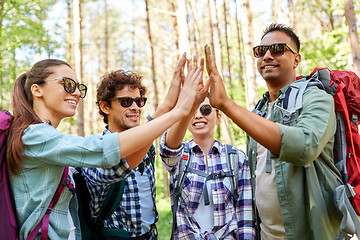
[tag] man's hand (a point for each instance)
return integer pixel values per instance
(218, 97)
(174, 89)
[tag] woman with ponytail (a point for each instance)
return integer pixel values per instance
(37, 153)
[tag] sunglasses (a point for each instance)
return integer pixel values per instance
(128, 101)
(276, 49)
(205, 109)
(70, 86)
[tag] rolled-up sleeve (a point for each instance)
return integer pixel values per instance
(169, 156)
(302, 143)
(43, 143)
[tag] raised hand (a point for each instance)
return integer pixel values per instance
(193, 87)
(174, 89)
(176, 82)
(218, 95)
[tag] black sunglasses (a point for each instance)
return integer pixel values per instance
(276, 49)
(69, 85)
(205, 109)
(128, 101)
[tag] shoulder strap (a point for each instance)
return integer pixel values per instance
(44, 223)
(183, 166)
(152, 154)
(111, 202)
(232, 160)
(291, 101)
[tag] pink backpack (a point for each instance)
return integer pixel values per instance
(8, 225)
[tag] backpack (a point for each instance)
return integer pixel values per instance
(232, 160)
(344, 86)
(8, 224)
(91, 230)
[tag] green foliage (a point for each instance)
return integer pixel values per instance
(329, 49)
(21, 30)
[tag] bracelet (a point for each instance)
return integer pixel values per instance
(149, 118)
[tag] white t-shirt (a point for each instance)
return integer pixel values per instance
(204, 215)
(267, 202)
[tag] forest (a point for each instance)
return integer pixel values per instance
(148, 36)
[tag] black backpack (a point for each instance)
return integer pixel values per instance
(91, 230)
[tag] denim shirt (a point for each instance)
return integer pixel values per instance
(47, 152)
(303, 179)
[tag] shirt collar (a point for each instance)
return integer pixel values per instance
(106, 130)
(215, 148)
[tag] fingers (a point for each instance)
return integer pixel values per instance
(210, 61)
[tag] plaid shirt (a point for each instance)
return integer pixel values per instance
(127, 215)
(229, 222)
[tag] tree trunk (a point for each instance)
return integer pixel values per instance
(273, 11)
(156, 98)
(175, 32)
(197, 39)
(353, 35)
(215, 35)
(216, 49)
(250, 80)
(106, 36)
(1, 55)
(184, 43)
(69, 50)
(291, 13)
(133, 23)
(241, 44)
(228, 46)
(164, 77)
(78, 61)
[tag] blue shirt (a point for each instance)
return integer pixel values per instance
(128, 215)
(46, 153)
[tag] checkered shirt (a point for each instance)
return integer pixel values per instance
(229, 222)
(127, 215)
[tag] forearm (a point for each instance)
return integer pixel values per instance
(134, 139)
(136, 158)
(265, 132)
(176, 133)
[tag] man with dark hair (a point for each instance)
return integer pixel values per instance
(290, 164)
(120, 98)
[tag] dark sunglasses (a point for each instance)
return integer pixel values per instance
(69, 85)
(128, 101)
(276, 49)
(205, 109)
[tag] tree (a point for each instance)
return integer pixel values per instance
(78, 61)
(22, 35)
(250, 80)
(353, 35)
(156, 98)
(184, 44)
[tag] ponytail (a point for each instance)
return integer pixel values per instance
(23, 112)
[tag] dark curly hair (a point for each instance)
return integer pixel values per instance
(114, 81)
(285, 29)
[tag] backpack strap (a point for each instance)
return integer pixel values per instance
(112, 200)
(291, 101)
(232, 160)
(184, 164)
(44, 223)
